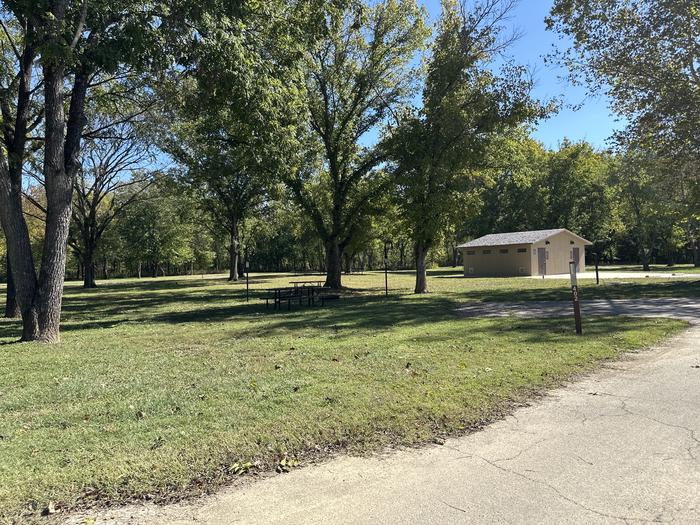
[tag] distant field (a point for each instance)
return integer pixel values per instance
(166, 387)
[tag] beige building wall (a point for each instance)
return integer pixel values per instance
(559, 251)
(522, 259)
(491, 261)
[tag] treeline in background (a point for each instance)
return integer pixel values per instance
(627, 206)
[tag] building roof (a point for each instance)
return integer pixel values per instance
(505, 239)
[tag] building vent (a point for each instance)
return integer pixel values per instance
(521, 270)
(471, 270)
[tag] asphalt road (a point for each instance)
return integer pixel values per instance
(620, 446)
(678, 308)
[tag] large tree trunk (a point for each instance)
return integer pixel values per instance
(40, 299)
(16, 152)
(233, 252)
(89, 269)
(61, 148)
(334, 270)
(19, 252)
(696, 253)
(644, 255)
(11, 306)
(348, 263)
(420, 251)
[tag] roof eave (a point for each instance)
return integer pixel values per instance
(499, 244)
(586, 242)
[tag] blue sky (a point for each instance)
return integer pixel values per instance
(593, 121)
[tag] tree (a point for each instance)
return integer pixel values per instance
(511, 195)
(77, 42)
(72, 42)
(646, 55)
(233, 142)
(109, 166)
(155, 229)
(647, 208)
(230, 188)
(20, 116)
(530, 188)
(578, 195)
(356, 76)
(231, 156)
(438, 149)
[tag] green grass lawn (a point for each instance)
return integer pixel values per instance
(160, 388)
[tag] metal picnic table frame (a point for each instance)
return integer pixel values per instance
(297, 292)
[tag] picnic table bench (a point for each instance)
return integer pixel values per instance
(311, 290)
(280, 295)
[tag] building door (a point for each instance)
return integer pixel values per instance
(577, 258)
(541, 261)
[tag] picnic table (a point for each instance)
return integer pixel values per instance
(292, 294)
(316, 283)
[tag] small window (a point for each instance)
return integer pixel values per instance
(522, 250)
(471, 252)
(504, 250)
(487, 252)
(571, 242)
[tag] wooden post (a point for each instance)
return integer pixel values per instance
(247, 286)
(575, 297)
(386, 278)
(596, 257)
(386, 269)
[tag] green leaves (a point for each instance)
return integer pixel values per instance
(438, 150)
(645, 54)
(356, 77)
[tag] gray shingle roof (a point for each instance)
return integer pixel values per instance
(504, 239)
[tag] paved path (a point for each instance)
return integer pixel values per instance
(607, 275)
(621, 446)
(688, 309)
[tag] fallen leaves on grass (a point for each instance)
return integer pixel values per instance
(286, 464)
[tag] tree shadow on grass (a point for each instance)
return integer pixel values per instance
(152, 284)
(352, 311)
(347, 314)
